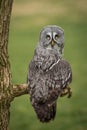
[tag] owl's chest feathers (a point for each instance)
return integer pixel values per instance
(56, 63)
(46, 59)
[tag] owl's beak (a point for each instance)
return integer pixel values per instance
(52, 43)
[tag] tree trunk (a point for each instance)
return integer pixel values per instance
(5, 75)
(8, 91)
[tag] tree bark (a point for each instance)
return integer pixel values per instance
(8, 91)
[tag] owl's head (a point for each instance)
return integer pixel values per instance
(52, 37)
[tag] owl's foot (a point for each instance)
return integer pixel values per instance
(66, 91)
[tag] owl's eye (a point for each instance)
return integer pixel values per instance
(56, 36)
(48, 37)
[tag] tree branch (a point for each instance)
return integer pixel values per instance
(19, 90)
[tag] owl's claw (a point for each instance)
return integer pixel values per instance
(66, 91)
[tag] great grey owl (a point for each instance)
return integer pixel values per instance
(49, 74)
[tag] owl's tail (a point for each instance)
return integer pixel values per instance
(45, 112)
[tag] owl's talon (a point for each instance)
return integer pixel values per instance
(69, 93)
(66, 91)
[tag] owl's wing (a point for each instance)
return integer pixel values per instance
(60, 75)
(31, 72)
(36, 83)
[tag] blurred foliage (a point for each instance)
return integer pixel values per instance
(28, 18)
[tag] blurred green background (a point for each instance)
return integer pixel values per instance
(28, 18)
